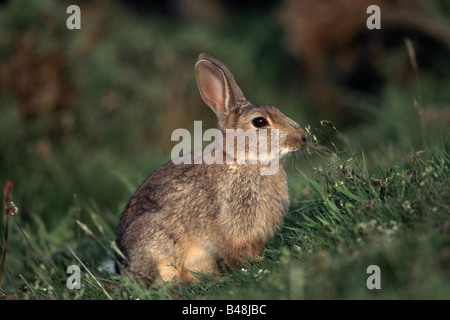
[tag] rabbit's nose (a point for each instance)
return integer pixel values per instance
(302, 134)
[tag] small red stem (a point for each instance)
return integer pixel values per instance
(9, 185)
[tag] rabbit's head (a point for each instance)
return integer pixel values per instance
(221, 93)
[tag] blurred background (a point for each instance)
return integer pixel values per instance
(89, 113)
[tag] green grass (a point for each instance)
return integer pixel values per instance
(378, 196)
(348, 218)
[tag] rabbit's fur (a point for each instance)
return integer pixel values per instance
(195, 217)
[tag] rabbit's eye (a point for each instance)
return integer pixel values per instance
(260, 122)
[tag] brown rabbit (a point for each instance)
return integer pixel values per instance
(195, 217)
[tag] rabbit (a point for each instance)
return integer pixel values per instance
(191, 219)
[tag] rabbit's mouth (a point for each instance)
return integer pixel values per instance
(285, 151)
(294, 144)
(297, 148)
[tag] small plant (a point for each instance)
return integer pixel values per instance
(10, 210)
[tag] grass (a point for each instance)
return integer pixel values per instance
(379, 195)
(348, 218)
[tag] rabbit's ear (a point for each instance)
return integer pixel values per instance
(217, 86)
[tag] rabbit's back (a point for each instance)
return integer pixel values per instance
(164, 201)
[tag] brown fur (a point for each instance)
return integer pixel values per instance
(192, 217)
